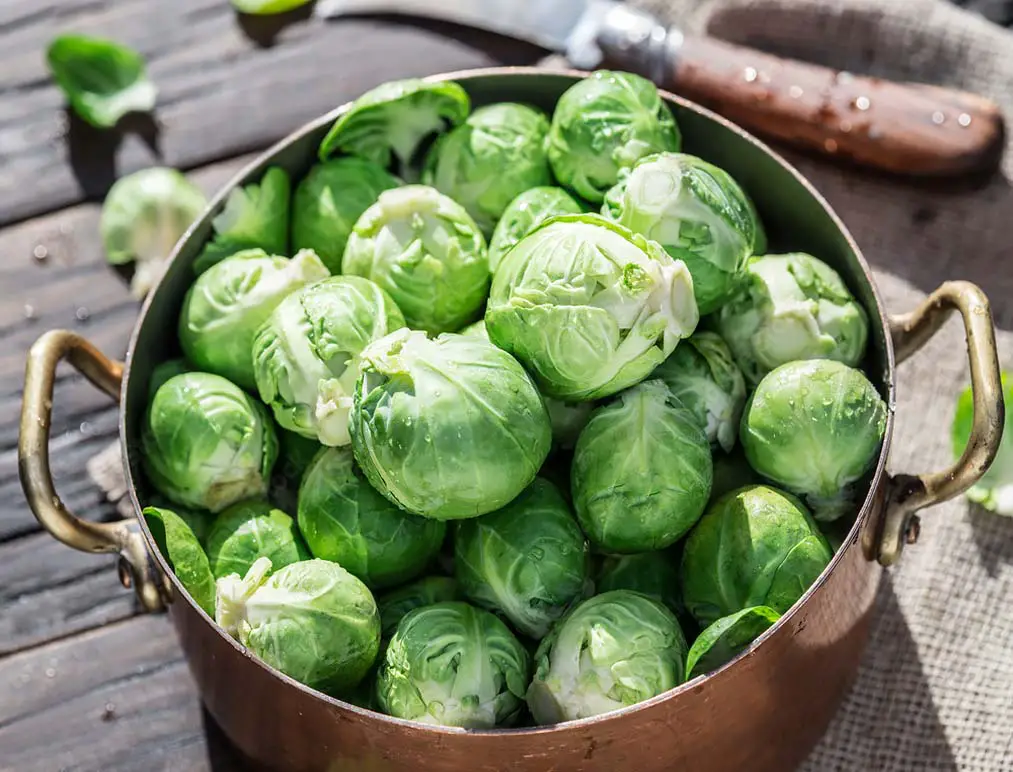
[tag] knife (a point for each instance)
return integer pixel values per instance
(906, 128)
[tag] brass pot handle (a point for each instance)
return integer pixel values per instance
(137, 568)
(909, 493)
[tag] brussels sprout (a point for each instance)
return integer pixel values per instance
(589, 307)
(731, 471)
(697, 212)
(143, 217)
(422, 592)
(756, 546)
(451, 664)
(102, 80)
(727, 638)
(182, 551)
(422, 405)
(426, 251)
(525, 213)
(491, 158)
(609, 652)
(345, 520)
(312, 620)
(528, 560)
(654, 574)
(604, 124)
(250, 530)
(255, 216)
(328, 202)
(994, 491)
(306, 355)
(226, 305)
(566, 418)
(395, 117)
(642, 471)
(791, 307)
(197, 520)
(164, 371)
(815, 427)
(206, 443)
(703, 376)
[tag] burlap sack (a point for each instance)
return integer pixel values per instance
(936, 687)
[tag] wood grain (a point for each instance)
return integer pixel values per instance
(221, 92)
(116, 698)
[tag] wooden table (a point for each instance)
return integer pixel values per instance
(87, 682)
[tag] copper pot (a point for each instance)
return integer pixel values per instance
(763, 711)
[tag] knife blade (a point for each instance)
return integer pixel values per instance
(905, 128)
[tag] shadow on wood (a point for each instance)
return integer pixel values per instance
(264, 30)
(92, 151)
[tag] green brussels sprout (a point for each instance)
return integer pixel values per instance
(566, 418)
(791, 307)
(306, 355)
(525, 213)
(589, 307)
(206, 443)
(611, 651)
(394, 118)
(250, 530)
(726, 638)
(487, 161)
(606, 123)
(697, 212)
(255, 216)
(426, 251)
(422, 405)
(642, 471)
(755, 546)
(182, 551)
(451, 664)
(329, 201)
(994, 491)
(422, 592)
(815, 427)
(654, 574)
(345, 520)
(731, 471)
(163, 372)
(528, 561)
(312, 620)
(703, 376)
(197, 520)
(102, 80)
(143, 216)
(224, 308)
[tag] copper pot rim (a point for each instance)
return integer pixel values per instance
(869, 504)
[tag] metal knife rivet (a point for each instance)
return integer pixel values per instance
(964, 120)
(750, 74)
(938, 118)
(830, 146)
(862, 103)
(795, 92)
(843, 77)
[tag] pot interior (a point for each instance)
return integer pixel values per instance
(795, 216)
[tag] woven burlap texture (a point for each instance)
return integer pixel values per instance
(935, 691)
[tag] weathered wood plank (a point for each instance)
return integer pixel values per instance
(118, 698)
(220, 92)
(48, 591)
(72, 281)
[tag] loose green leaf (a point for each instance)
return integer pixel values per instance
(994, 491)
(103, 80)
(181, 549)
(727, 638)
(267, 7)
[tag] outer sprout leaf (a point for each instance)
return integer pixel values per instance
(102, 80)
(181, 549)
(727, 638)
(994, 491)
(267, 7)
(423, 592)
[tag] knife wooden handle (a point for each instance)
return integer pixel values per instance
(906, 128)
